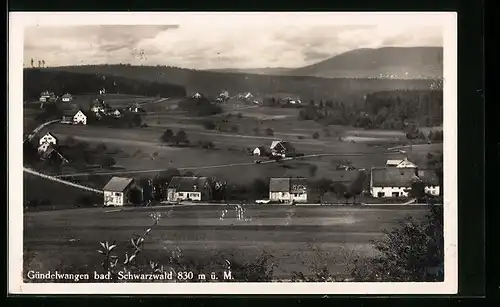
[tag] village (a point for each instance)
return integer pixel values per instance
(398, 179)
(321, 164)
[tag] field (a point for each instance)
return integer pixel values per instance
(67, 240)
(140, 149)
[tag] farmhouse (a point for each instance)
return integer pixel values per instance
(288, 190)
(189, 188)
(46, 96)
(74, 117)
(197, 96)
(282, 148)
(261, 151)
(117, 191)
(396, 182)
(48, 138)
(404, 163)
(391, 181)
(67, 98)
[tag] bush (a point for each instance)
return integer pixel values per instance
(412, 252)
(315, 135)
(269, 132)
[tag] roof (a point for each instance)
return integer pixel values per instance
(66, 95)
(392, 177)
(118, 184)
(428, 176)
(286, 145)
(279, 185)
(188, 184)
(393, 162)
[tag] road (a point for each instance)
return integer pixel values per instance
(79, 186)
(37, 129)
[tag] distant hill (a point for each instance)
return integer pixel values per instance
(258, 71)
(37, 80)
(388, 62)
(211, 83)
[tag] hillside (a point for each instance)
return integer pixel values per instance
(395, 62)
(211, 83)
(60, 82)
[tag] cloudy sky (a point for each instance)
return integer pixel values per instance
(207, 47)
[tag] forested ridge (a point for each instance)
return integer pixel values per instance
(60, 82)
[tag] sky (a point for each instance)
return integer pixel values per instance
(214, 46)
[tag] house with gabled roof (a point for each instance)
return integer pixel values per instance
(74, 117)
(261, 151)
(67, 98)
(397, 182)
(281, 148)
(48, 138)
(189, 188)
(117, 191)
(288, 190)
(400, 163)
(196, 95)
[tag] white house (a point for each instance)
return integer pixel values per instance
(117, 191)
(116, 113)
(288, 190)
(197, 96)
(260, 151)
(404, 163)
(72, 117)
(48, 138)
(281, 148)
(43, 147)
(396, 182)
(188, 188)
(66, 98)
(391, 181)
(46, 96)
(102, 91)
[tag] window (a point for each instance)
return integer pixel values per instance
(395, 194)
(380, 194)
(117, 194)
(181, 194)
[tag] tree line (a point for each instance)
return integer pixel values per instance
(381, 110)
(211, 83)
(60, 82)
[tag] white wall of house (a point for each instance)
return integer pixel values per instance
(43, 147)
(432, 190)
(178, 195)
(49, 139)
(389, 191)
(80, 118)
(112, 198)
(299, 196)
(279, 196)
(66, 99)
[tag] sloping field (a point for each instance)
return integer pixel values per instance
(67, 240)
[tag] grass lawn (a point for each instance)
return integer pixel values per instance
(67, 240)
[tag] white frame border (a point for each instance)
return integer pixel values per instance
(17, 22)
